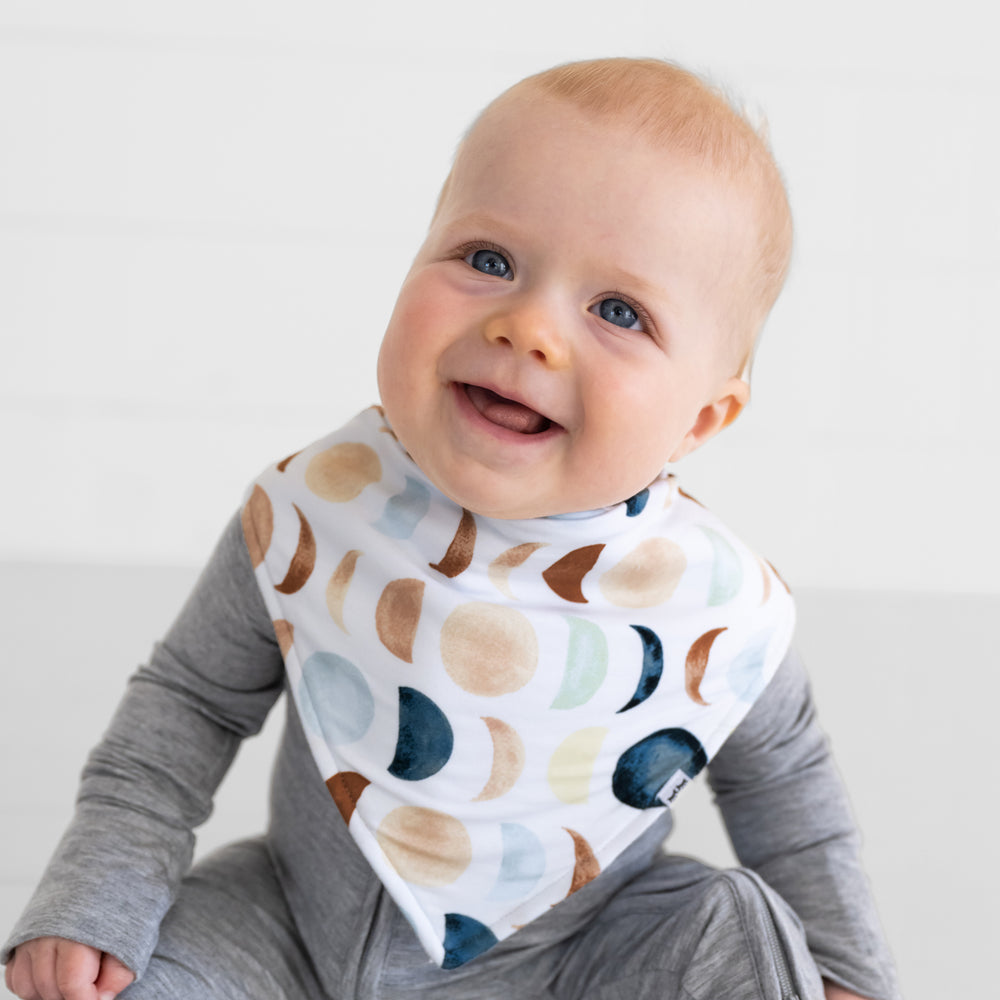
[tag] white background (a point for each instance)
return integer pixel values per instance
(206, 207)
(205, 211)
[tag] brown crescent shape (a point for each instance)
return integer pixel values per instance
(697, 662)
(767, 580)
(689, 497)
(283, 464)
(565, 576)
(336, 589)
(385, 428)
(346, 788)
(587, 867)
(304, 560)
(778, 575)
(459, 555)
(257, 519)
(284, 632)
(397, 616)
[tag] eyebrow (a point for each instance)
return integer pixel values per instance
(640, 287)
(480, 220)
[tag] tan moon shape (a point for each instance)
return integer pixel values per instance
(499, 570)
(336, 589)
(426, 847)
(283, 464)
(587, 867)
(647, 576)
(346, 788)
(488, 649)
(340, 473)
(456, 560)
(304, 560)
(284, 632)
(696, 663)
(397, 616)
(565, 576)
(508, 759)
(257, 518)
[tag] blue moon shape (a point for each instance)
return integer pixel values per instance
(652, 667)
(338, 702)
(523, 862)
(635, 505)
(464, 939)
(404, 511)
(425, 740)
(746, 672)
(647, 767)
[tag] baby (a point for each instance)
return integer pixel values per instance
(509, 639)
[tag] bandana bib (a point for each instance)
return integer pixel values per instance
(499, 708)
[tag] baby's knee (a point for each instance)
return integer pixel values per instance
(165, 981)
(689, 931)
(749, 937)
(205, 976)
(739, 893)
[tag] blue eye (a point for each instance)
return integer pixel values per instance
(618, 312)
(490, 262)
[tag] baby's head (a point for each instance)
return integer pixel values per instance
(584, 308)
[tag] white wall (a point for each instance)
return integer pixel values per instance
(206, 207)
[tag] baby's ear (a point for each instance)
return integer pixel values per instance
(714, 416)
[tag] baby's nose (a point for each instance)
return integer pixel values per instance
(531, 330)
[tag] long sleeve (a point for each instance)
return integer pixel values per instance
(787, 814)
(150, 781)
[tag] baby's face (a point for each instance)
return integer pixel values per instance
(563, 331)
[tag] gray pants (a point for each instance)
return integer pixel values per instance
(680, 931)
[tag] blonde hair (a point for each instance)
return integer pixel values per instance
(672, 107)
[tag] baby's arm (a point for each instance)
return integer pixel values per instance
(787, 814)
(151, 779)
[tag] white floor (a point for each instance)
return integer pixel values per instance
(905, 683)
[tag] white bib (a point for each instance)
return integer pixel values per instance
(499, 708)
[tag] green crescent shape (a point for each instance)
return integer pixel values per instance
(727, 569)
(586, 664)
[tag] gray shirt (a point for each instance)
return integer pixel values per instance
(212, 681)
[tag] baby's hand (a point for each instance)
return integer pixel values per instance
(838, 992)
(52, 968)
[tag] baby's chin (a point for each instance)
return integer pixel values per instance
(490, 493)
(505, 501)
(512, 503)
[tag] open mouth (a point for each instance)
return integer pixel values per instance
(506, 413)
